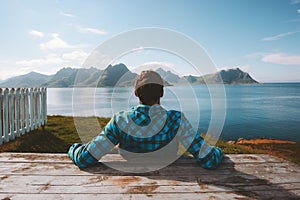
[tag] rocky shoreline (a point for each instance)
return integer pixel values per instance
(260, 141)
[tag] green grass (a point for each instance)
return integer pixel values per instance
(56, 137)
(287, 151)
(235, 149)
(60, 133)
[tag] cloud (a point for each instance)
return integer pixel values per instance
(157, 64)
(50, 60)
(298, 11)
(55, 43)
(55, 35)
(66, 14)
(97, 59)
(281, 58)
(36, 33)
(295, 1)
(7, 69)
(75, 58)
(138, 49)
(49, 64)
(256, 55)
(90, 30)
(79, 56)
(277, 37)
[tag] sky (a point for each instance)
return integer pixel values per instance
(261, 37)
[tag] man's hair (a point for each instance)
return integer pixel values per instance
(150, 93)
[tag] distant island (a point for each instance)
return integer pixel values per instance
(120, 75)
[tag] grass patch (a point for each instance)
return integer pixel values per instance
(57, 136)
(289, 152)
(60, 133)
(236, 149)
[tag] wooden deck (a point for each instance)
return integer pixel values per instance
(54, 176)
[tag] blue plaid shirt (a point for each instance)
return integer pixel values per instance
(146, 129)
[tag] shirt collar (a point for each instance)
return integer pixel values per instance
(155, 109)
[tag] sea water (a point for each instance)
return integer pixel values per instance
(270, 110)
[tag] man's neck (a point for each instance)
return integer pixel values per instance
(156, 103)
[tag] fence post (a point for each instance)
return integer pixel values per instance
(38, 107)
(12, 113)
(34, 110)
(22, 109)
(42, 107)
(31, 109)
(1, 114)
(27, 109)
(45, 105)
(5, 117)
(17, 114)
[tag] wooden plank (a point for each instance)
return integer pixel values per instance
(63, 159)
(228, 163)
(138, 189)
(48, 157)
(177, 168)
(235, 180)
(34, 157)
(112, 189)
(216, 196)
(188, 162)
(68, 169)
(166, 183)
(118, 186)
(30, 174)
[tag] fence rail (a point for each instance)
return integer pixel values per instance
(21, 110)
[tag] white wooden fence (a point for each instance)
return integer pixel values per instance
(21, 110)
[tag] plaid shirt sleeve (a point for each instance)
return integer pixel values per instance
(209, 157)
(85, 155)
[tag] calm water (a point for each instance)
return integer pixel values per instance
(266, 110)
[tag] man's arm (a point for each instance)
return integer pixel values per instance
(209, 157)
(85, 155)
(81, 156)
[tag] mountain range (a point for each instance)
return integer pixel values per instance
(119, 75)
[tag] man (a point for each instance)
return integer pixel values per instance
(145, 129)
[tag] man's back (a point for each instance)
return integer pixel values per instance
(147, 129)
(147, 133)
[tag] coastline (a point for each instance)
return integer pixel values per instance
(60, 133)
(261, 141)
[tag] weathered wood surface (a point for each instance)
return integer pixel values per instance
(54, 176)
